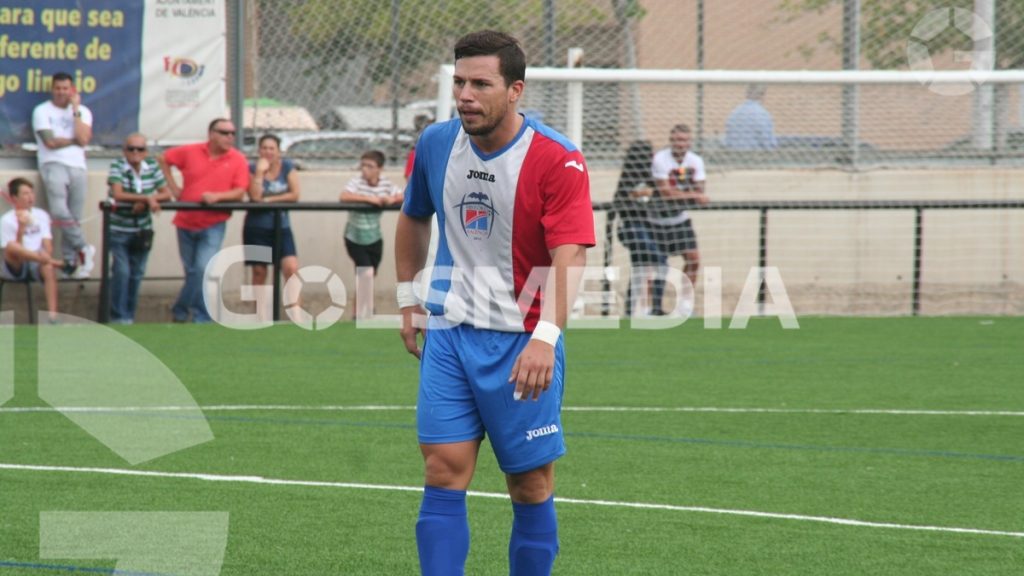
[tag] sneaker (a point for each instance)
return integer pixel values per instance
(87, 255)
(684, 308)
(80, 273)
(67, 271)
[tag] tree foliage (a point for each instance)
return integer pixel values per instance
(886, 26)
(427, 29)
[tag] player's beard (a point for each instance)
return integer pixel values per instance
(490, 122)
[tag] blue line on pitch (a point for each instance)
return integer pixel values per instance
(81, 569)
(591, 435)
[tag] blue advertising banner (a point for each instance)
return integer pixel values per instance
(151, 66)
(99, 43)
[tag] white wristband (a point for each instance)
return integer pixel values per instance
(406, 295)
(546, 332)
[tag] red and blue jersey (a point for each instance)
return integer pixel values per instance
(499, 216)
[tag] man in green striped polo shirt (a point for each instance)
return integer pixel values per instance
(137, 186)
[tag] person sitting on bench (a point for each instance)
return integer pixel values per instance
(27, 243)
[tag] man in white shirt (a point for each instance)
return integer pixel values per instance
(678, 175)
(25, 240)
(63, 127)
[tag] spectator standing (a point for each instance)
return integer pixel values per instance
(63, 127)
(363, 240)
(750, 125)
(274, 179)
(419, 123)
(679, 175)
(632, 197)
(137, 186)
(212, 172)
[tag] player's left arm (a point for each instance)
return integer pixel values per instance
(535, 366)
(568, 223)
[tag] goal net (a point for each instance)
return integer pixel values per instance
(870, 193)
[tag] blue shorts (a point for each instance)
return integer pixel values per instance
(465, 394)
(28, 271)
(265, 237)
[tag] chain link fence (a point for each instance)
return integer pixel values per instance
(372, 65)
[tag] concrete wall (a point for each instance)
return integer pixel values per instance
(830, 261)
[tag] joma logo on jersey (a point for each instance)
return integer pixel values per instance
(485, 176)
(477, 214)
(542, 431)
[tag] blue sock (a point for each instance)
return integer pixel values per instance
(442, 532)
(534, 543)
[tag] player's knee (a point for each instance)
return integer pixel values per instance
(447, 471)
(531, 487)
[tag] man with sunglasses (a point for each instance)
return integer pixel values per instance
(137, 186)
(212, 172)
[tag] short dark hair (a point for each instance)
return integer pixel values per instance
(511, 59)
(375, 155)
(60, 76)
(684, 128)
(15, 185)
(215, 121)
(273, 137)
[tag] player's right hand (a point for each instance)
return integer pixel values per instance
(413, 323)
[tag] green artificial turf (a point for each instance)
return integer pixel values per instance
(702, 449)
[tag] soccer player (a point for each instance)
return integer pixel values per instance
(512, 199)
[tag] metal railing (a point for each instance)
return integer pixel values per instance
(762, 208)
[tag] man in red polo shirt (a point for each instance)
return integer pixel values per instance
(213, 171)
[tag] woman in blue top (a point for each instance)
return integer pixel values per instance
(274, 180)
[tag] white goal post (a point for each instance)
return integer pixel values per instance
(574, 112)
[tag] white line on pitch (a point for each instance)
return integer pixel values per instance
(585, 502)
(398, 408)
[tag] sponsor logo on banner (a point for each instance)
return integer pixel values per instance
(187, 69)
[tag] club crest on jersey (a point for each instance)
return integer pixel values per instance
(477, 215)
